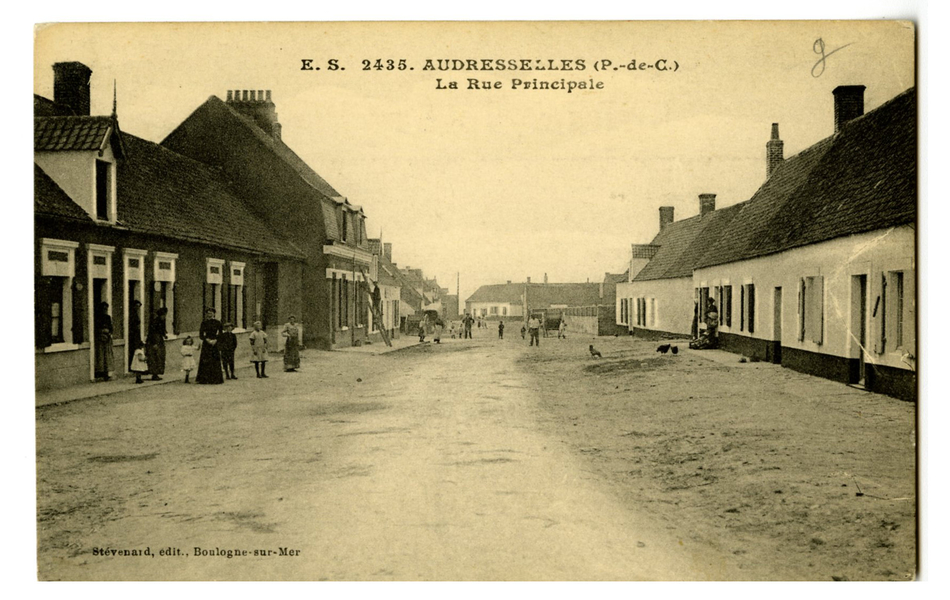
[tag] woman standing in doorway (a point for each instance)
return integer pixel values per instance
(104, 359)
(155, 344)
(209, 365)
(291, 334)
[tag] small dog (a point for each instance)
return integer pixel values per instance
(594, 352)
(674, 350)
(663, 349)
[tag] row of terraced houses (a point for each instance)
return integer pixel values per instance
(221, 214)
(816, 271)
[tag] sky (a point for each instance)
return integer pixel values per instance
(503, 184)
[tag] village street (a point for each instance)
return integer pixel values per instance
(482, 459)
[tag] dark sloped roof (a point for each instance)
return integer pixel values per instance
(543, 295)
(284, 152)
(861, 179)
(614, 278)
(50, 199)
(44, 107)
(52, 134)
(499, 292)
(164, 193)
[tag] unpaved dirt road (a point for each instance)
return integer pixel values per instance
(433, 467)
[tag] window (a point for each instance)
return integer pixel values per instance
(811, 309)
(163, 287)
(725, 309)
(747, 308)
(494, 310)
(346, 224)
(338, 300)
(345, 284)
(214, 282)
(103, 190)
(504, 311)
(652, 321)
(897, 318)
(236, 300)
(54, 295)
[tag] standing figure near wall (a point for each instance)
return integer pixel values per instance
(209, 365)
(104, 358)
(135, 330)
(291, 334)
(155, 345)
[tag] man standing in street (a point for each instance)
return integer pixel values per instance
(534, 328)
(467, 325)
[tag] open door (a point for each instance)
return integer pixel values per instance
(859, 329)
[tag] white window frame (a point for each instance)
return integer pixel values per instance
(111, 199)
(130, 273)
(94, 271)
(215, 279)
(238, 281)
(167, 276)
(66, 270)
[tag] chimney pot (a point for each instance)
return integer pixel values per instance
(268, 95)
(666, 216)
(707, 204)
(260, 95)
(774, 152)
(230, 95)
(849, 104)
(529, 280)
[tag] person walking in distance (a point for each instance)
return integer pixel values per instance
(501, 330)
(534, 330)
(467, 326)
(562, 329)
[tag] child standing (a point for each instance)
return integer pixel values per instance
(188, 356)
(139, 364)
(227, 344)
(259, 350)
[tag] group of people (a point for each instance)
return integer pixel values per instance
(534, 327)
(218, 344)
(708, 336)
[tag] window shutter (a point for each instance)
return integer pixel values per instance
(79, 315)
(910, 313)
(816, 323)
(801, 309)
(751, 307)
(741, 308)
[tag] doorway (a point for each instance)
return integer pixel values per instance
(269, 314)
(100, 342)
(134, 332)
(859, 329)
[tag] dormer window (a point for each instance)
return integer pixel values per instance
(346, 224)
(105, 199)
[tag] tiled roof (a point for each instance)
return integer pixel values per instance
(51, 134)
(286, 154)
(164, 193)
(861, 179)
(50, 199)
(543, 295)
(499, 292)
(614, 278)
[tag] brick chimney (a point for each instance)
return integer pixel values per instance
(71, 86)
(666, 216)
(388, 251)
(707, 204)
(545, 278)
(774, 152)
(529, 280)
(849, 104)
(256, 105)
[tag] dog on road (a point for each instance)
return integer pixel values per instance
(663, 349)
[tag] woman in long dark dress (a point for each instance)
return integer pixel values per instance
(291, 334)
(155, 344)
(104, 359)
(209, 365)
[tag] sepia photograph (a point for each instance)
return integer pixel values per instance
(476, 301)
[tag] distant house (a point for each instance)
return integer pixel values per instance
(658, 297)
(121, 220)
(497, 301)
(817, 270)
